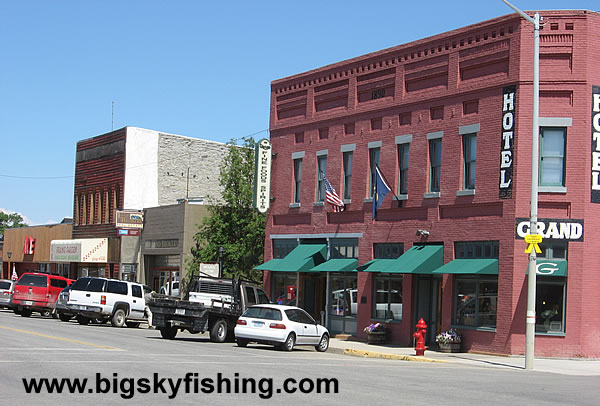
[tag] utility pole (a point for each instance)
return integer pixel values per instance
(531, 268)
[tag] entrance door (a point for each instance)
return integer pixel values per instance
(313, 294)
(428, 294)
(343, 303)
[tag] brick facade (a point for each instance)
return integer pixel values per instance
(445, 86)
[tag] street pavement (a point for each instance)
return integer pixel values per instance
(564, 366)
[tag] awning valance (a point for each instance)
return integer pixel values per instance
(469, 267)
(550, 267)
(337, 265)
(419, 259)
(301, 259)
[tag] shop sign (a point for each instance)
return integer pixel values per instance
(262, 175)
(92, 250)
(595, 144)
(68, 251)
(29, 246)
(125, 231)
(546, 268)
(506, 152)
(130, 219)
(553, 229)
(210, 269)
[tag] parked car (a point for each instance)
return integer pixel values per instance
(164, 290)
(6, 291)
(60, 308)
(281, 326)
(37, 292)
(101, 299)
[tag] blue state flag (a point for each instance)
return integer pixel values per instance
(381, 189)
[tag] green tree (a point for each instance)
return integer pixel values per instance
(233, 224)
(12, 220)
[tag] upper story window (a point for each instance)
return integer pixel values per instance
(387, 250)
(373, 163)
(476, 249)
(321, 170)
(403, 155)
(553, 250)
(343, 247)
(469, 160)
(348, 157)
(297, 179)
(552, 156)
(435, 164)
(282, 247)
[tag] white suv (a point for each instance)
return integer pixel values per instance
(102, 299)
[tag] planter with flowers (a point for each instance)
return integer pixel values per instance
(376, 333)
(449, 341)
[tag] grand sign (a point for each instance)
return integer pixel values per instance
(553, 229)
(506, 152)
(262, 175)
(595, 144)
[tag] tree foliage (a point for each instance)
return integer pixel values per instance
(12, 220)
(234, 224)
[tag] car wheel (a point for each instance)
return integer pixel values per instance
(64, 317)
(84, 321)
(241, 342)
(16, 311)
(289, 343)
(132, 324)
(168, 332)
(118, 318)
(25, 313)
(323, 344)
(46, 313)
(218, 332)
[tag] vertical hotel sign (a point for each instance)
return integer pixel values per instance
(506, 152)
(595, 144)
(262, 175)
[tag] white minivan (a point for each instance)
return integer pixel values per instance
(104, 299)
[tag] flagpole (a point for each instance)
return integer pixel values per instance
(386, 181)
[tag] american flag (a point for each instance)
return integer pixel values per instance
(331, 196)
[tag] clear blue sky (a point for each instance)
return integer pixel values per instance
(195, 68)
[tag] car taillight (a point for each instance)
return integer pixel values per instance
(242, 322)
(102, 300)
(277, 325)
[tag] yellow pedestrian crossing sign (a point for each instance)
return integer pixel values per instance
(533, 240)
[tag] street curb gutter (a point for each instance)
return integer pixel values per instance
(375, 354)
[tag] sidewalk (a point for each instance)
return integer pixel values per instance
(572, 366)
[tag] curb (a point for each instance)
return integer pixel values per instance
(375, 354)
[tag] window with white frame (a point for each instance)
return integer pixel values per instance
(476, 301)
(403, 155)
(469, 159)
(435, 164)
(387, 295)
(297, 179)
(373, 163)
(550, 304)
(321, 170)
(552, 156)
(348, 157)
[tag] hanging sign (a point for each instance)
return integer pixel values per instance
(262, 175)
(506, 151)
(595, 144)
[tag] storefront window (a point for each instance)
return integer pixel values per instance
(283, 247)
(550, 305)
(344, 247)
(283, 289)
(388, 297)
(476, 302)
(344, 296)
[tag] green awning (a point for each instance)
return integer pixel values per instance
(420, 259)
(301, 259)
(470, 267)
(269, 265)
(550, 267)
(337, 265)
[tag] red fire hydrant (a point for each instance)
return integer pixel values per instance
(420, 336)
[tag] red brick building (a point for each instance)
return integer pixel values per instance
(448, 120)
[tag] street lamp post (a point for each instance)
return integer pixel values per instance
(531, 268)
(8, 254)
(221, 251)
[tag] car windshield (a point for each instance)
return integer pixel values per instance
(266, 313)
(39, 281)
